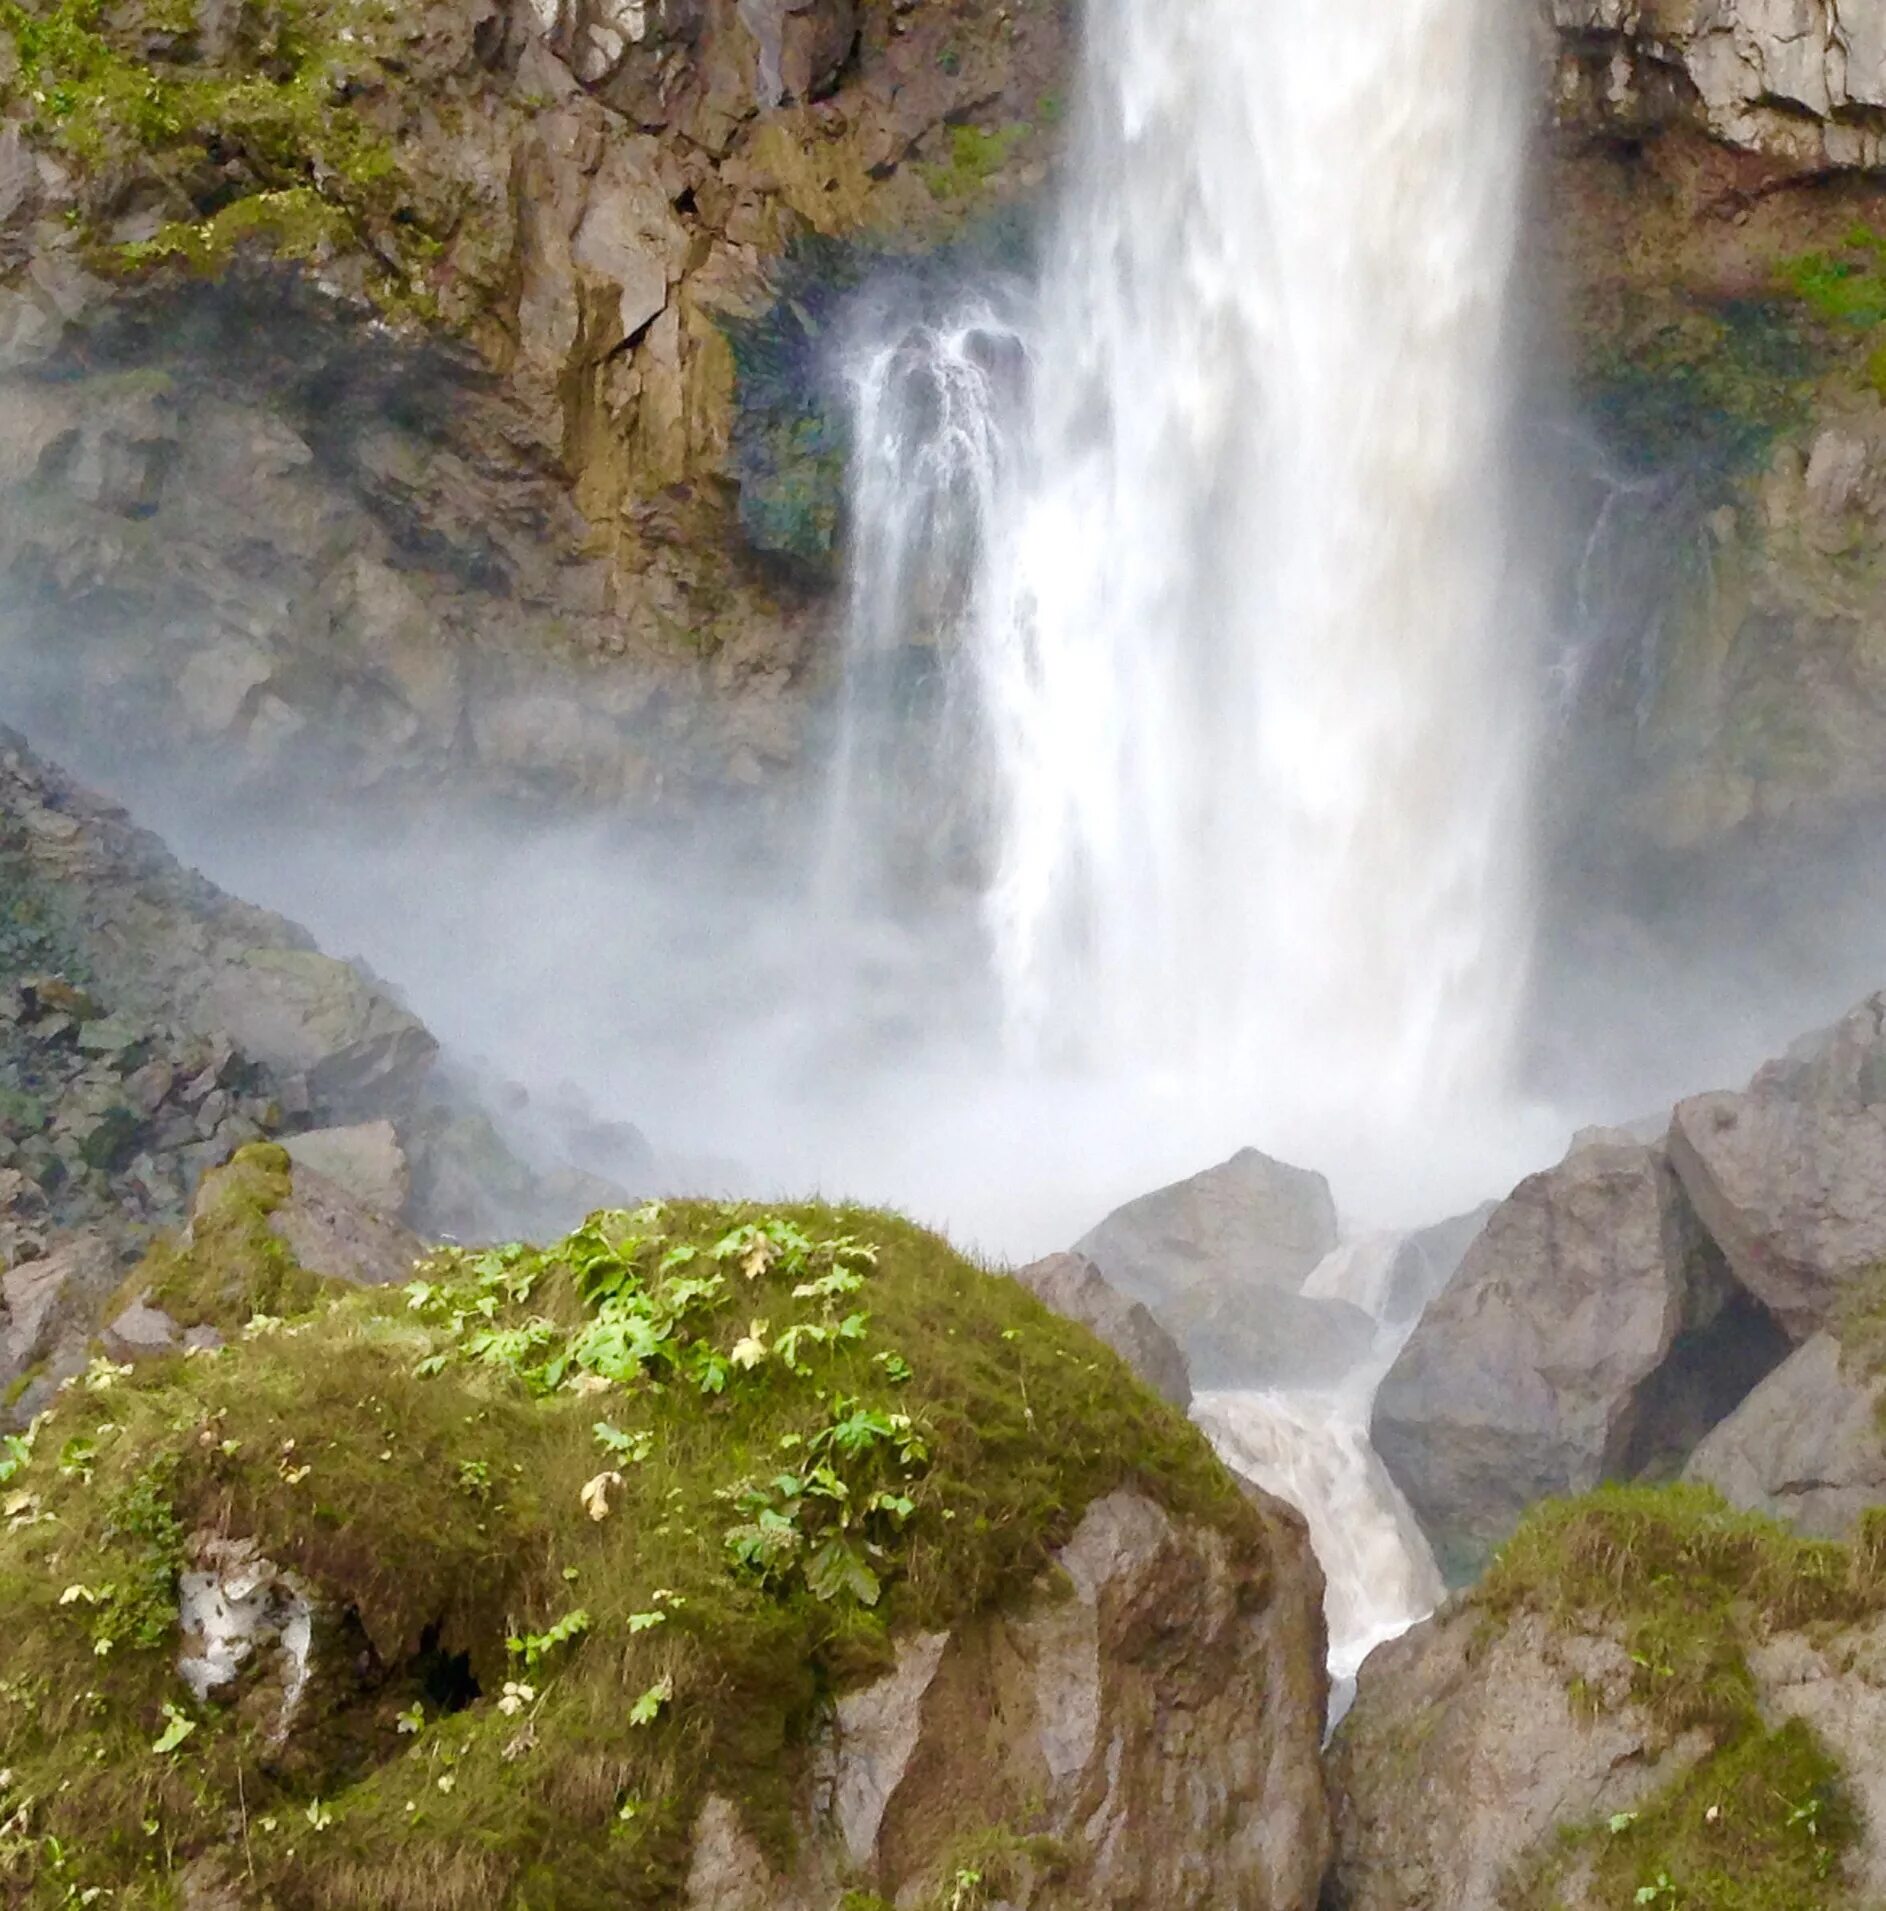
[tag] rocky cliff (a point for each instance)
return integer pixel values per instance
(427, 383)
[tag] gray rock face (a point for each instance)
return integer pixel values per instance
(1074, 1286)
(1459, 1761)
(1804, 1447)
(1078, 1710)
(1251, 1222)
(1790, 1176)
(1801, 82)
(51, 1305)
(365, 1160)
(1591, 1332)
(331, 1234)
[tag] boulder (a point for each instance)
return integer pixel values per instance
(1250, 1222)
(1590, 1333)
(1805, 1447)
(53, 1300)
(303, 1013)
(365, 1160)
(1139, 1620)
(1462, 1757)
(1789, 1177)
(1235, 1335)
(1647, 1701)
(1074, 1286)
(329, 1233)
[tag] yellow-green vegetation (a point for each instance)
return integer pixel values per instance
(234, 1267)
(591, 1526)
(1761, 1822)
(975, 155)
(269, 142)
(1845, 289)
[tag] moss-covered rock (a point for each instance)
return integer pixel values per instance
(598, 1530)
(1611, 1719)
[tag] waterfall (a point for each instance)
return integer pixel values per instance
(1311, 1448)
(1236, 684)
(1187, 641)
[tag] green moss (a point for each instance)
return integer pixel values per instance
(1846, 287)
(1711, 384)
(232, 1268)
(975, 155)
(1684, 1578)
(804, 1432)
(270, 148)
(1761, 1823)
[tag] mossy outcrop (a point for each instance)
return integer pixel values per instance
(1622, 1714)
(464, 367)
(665, 1562)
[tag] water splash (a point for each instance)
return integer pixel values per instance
(1313, 1450)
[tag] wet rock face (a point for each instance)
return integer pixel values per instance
(499, 541)
(1145, 1657)
(1590, 1333)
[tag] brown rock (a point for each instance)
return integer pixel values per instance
(1072, 1285)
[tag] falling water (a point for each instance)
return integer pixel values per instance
(1234, 677)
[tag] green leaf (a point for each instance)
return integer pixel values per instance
(837, 1568)
(178, 1727)
(649, 1706)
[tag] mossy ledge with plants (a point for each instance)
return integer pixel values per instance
(1763, 1819)
(584, 1526)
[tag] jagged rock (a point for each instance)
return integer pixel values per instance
(1805, 1447)
(1803, 84)
(1250, 1222)
(1074, 1286)
(366, 1161)
(140, 1331)
(51, 1303)
(1591, 1332)
(1148, 1626)
(331, 1234)
(486, 546)
(1461, 1758)
(1790, 1176)
(303, 1013)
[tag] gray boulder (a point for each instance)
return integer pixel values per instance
(1076, 1288)
(51, 1306)
(331, 1234)
(1466, 1752)
(1590, 1333)
(1251, 1221)
(1804, 1447)
(1238, 1335)
(366, 1160)
(1789, 1177)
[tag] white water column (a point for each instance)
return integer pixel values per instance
(1244, 642)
